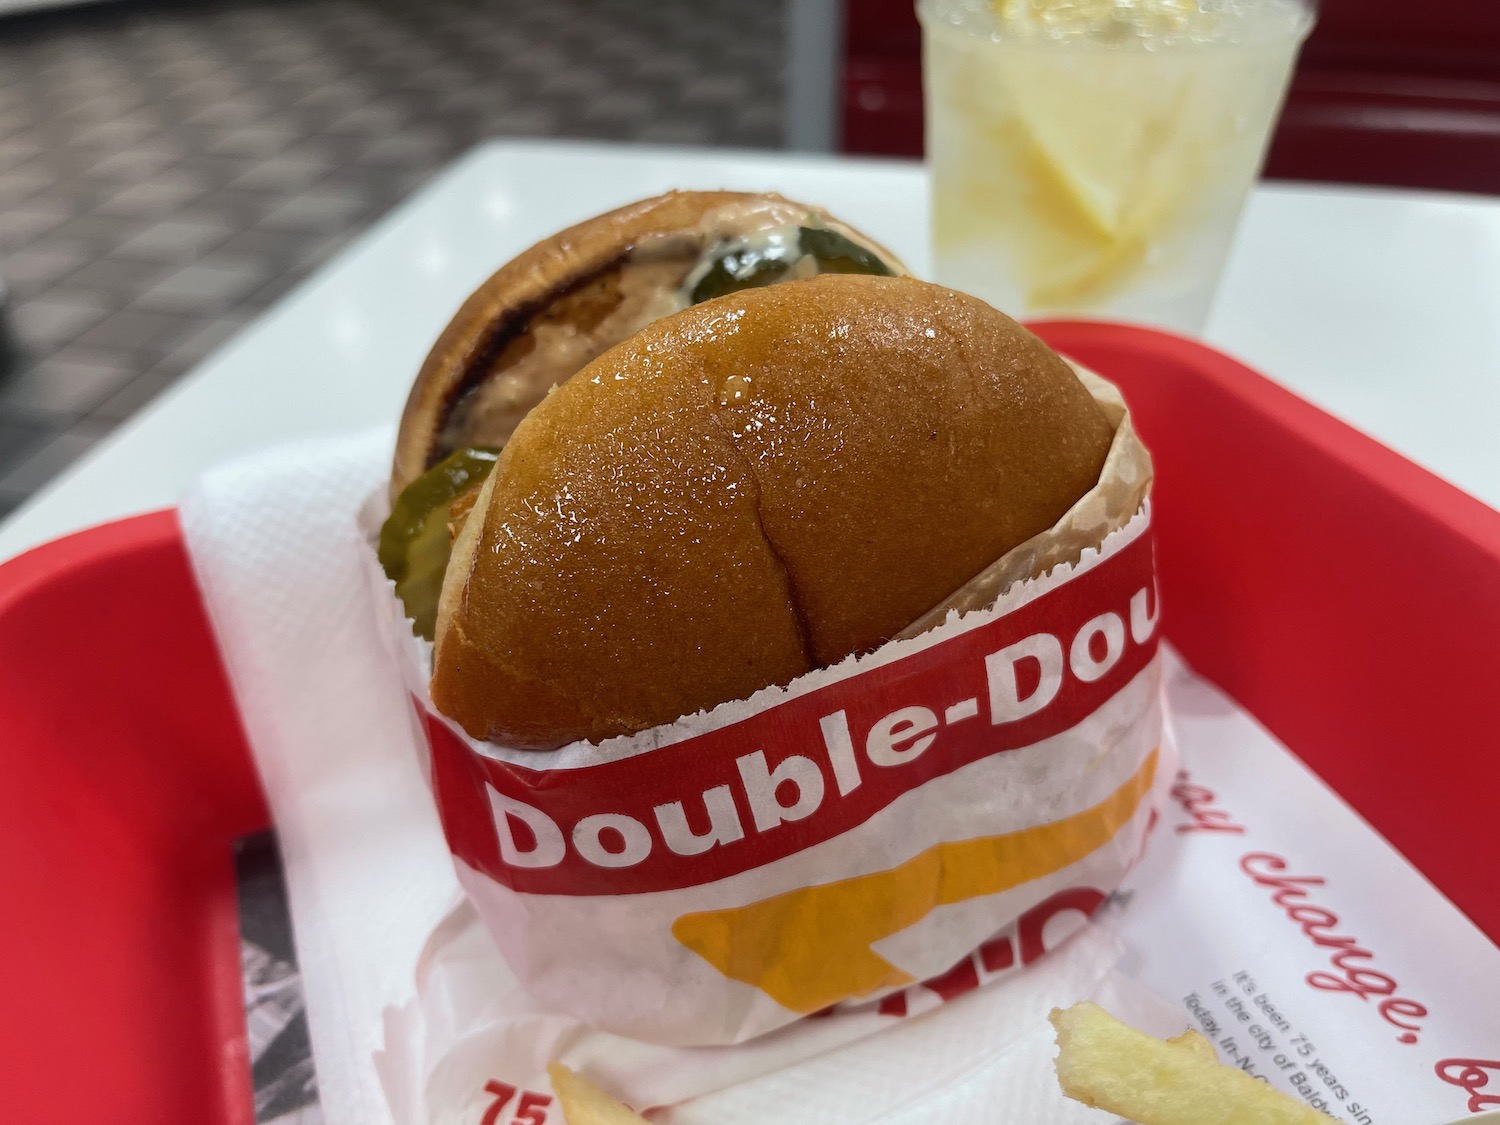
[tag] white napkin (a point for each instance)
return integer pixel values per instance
(274, 543)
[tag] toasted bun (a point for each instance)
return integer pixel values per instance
(580, 292)
(752, 488)
(746, 491)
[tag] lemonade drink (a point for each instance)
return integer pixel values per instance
(1092, 156)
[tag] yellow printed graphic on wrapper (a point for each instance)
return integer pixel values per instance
(812, 947)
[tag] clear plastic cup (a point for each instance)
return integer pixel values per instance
(1091, 157)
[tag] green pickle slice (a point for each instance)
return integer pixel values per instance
(837, 254)
(736, 270)
(414, 543)
(746, 269)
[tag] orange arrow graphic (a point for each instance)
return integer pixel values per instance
(811, 947)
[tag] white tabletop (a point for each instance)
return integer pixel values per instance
(1379, 306)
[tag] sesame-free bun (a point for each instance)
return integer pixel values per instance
(751, 488)
(561, 303)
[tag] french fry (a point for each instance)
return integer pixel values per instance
(1103, 1063)
(583, 1103)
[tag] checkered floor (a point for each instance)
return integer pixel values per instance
(169, 170)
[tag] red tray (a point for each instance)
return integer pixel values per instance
(1347, 598)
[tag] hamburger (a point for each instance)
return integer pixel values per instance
(704, 445)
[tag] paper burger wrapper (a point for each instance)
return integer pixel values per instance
(834, 842)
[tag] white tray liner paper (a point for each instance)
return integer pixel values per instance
(396, 966)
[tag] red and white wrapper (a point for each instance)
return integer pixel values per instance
(837, 841)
